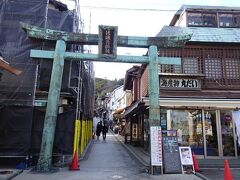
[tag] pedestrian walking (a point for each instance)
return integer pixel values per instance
(99, 129)
(104, 130)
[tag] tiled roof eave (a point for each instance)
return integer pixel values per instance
(204, 35)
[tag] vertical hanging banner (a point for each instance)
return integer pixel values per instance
(107, 41)
(156, 146)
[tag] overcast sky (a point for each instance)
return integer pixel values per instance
(133, 18)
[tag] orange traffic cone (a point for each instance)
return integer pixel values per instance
(74, 165)
(195, 163)
(227, 171)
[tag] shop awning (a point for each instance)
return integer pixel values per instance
(196, 102)
(119, 111)
(117, 116)
(131, 108)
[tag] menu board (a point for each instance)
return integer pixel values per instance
(186, 155)
(171, 158)
(156, 146)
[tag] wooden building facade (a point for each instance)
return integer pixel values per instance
(199, 99)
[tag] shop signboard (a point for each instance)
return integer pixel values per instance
(134, 131)
(156, 146)
(186, 155)
(171, 158)
(186, 159)
(180, 83)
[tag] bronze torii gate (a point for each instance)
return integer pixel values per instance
(108, 42)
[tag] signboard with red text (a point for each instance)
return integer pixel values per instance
(156, 146)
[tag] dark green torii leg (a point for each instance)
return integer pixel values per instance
(45, 159)
(154, 107)
(154, 111)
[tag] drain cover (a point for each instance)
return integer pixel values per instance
(117, 177)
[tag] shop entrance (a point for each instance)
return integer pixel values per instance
(209, 133)
(220, 139)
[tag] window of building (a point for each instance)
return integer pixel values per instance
(213, 69)
(229, 20)
(191, 66)
(202, 19)
(211, 134)
(194, 19)
(209, 20)
(188, 124)
(170, 69)
(227, 133)
(232, 67)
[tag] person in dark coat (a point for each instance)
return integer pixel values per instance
(104, 130)
(99, 129)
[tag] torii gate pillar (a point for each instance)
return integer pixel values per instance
(45, 158)
(154, 109)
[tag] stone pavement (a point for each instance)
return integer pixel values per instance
(117, 163)
(218, 173)
(137, 152)
(123, 169)
(144, 158)
(206, 173)
(8, 173)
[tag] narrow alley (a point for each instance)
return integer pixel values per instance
(105, 160)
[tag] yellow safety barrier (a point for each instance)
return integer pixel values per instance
(82, 138)
(86, 134)
(74, 165)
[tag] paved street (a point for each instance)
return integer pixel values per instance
(106, 160)
(218, 173)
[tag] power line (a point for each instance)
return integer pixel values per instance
(128, 9)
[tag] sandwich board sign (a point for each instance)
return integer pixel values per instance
(171, 159)
(186, 159)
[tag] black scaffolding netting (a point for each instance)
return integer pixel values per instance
(15, 130)
(64, 132)
(15, 47)
(88, 84)
(21, 122)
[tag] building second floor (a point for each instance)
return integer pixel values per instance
(207, 16)
(210, 67)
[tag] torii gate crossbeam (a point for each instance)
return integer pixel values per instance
(58, 56)
(92, 39)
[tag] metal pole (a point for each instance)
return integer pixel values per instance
(45, 158)
(154, 109)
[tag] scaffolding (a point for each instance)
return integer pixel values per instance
(23, 98)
